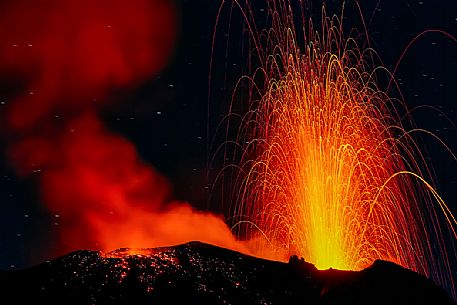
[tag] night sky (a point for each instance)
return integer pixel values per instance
(166, 115)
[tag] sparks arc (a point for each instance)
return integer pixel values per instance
(327, 169)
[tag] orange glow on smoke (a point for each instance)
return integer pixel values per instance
(328, 172)
(107, 198)
(66, 57)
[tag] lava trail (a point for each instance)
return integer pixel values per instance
(326, 168)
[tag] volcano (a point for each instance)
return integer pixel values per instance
(198, 273)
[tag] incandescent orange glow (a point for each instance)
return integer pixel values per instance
(107, 197)
(69, 57)
(328, 172)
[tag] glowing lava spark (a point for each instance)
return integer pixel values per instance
(327, 170)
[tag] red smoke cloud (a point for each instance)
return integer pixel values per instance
(65, 55)
(72, 52)
(106, 196)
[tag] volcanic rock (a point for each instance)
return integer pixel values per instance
(197, 273)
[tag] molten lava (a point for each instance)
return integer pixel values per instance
(328, 171)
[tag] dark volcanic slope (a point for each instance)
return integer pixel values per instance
(197, 273)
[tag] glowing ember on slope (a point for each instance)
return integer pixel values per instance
(125, 252)
(328, 171)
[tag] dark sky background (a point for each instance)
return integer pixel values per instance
(171, 133)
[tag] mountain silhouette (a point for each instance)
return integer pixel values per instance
(197, 273)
